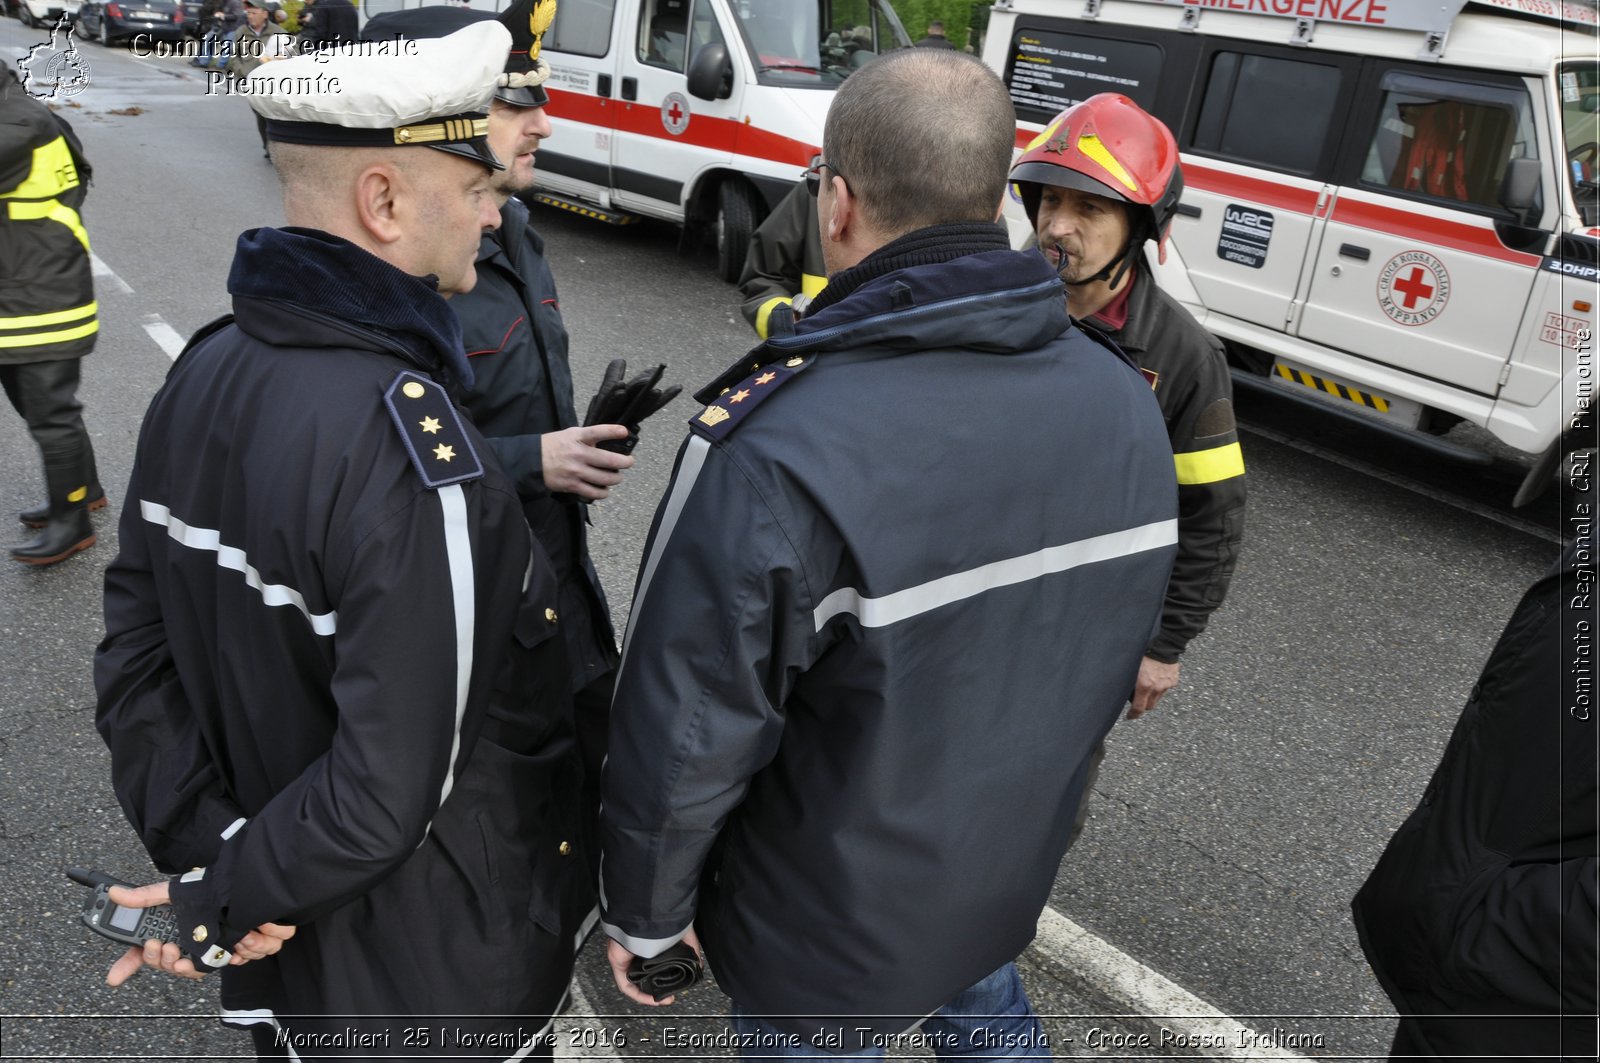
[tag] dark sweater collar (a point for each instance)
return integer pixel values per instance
(922, 247)
(310, 270)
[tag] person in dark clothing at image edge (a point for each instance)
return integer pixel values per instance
(1480, 919)
(521, 394)
(870, 652)
(48, 315)
(325, 23)
(328, 683)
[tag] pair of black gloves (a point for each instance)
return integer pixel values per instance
(627, 402)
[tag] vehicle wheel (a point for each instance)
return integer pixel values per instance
(25, 16)
(736, 221)
(105, 34)
(78, 30)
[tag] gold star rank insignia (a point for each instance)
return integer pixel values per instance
(766, 378)
(444, 453)
(430, 425)
(435, 439)
(740, 395)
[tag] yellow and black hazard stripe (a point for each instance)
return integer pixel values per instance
(607, 216)
(1334, 388)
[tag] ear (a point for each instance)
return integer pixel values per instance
(377, 194)
(836, 226)
(1000, 207)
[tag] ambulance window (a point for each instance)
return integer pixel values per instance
(1266, 110)
(664, 33)
(582, 27)
(1580, 130)
(1448, 140)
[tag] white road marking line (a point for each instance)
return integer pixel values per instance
(1367, 469)
(165, 336)
(1082, 958)
(581, 1009)
(100, 269)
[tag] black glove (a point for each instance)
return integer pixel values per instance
(627, 403)
(661, 976)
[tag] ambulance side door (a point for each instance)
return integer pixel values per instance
(666, 137)
(1418, 268)
(580, 48)
(1259, 152)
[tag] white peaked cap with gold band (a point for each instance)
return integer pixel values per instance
(432, 92)
(521, 84)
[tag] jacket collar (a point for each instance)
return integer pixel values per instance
(993, 300)
(342, 294)
(1143, 314)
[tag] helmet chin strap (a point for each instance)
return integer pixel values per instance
(1113, 271)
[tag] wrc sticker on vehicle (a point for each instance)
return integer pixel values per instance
(1332, 387)
(675, 113)
(1413, 288)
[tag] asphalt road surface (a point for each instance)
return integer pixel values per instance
(1230, 828)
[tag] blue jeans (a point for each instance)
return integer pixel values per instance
(990, 1020)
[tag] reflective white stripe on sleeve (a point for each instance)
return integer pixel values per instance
(234, 560)
(694, 458)
(233, 828)
(463, 595)
(958, 586)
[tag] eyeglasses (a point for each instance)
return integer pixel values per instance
(813, 176)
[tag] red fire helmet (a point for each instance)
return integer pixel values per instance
(1109, 146)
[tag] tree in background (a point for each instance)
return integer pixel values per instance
(960, 25)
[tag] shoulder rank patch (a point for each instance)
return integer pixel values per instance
(734, 402)
(431, 430)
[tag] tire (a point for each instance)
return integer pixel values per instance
(24, 16)
(105, 34)
(736, 221)
(78, 31)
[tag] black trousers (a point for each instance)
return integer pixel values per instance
(46, 395)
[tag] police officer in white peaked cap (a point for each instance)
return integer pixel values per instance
(334, 712)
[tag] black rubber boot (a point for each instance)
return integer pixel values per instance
(38, 516)
(67, 529)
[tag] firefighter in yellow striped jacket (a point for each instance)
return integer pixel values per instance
(48, 317)
(1100, 180)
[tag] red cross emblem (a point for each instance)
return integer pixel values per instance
(675, 113)
(1414, 287)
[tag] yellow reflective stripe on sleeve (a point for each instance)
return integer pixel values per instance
(1209, 466)
(765, 313)
(77, 313)
(52, 211)
(811, 285)
(52, 173)
(40, 339)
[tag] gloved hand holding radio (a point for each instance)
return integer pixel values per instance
(627, 403)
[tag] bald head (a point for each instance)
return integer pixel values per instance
(923, 137)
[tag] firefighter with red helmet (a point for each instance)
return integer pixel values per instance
(1102, 179)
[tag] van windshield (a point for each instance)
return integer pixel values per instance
(816, 43)
(1580, 127)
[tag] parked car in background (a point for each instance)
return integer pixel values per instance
(41, 13)
(113, 21)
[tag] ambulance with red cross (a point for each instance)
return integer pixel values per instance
(700, 112)
(1390, 207)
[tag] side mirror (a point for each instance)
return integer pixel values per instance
(1519, 188)
(711, 73)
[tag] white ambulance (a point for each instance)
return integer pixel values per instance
(700, 112)
(1390, 206)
